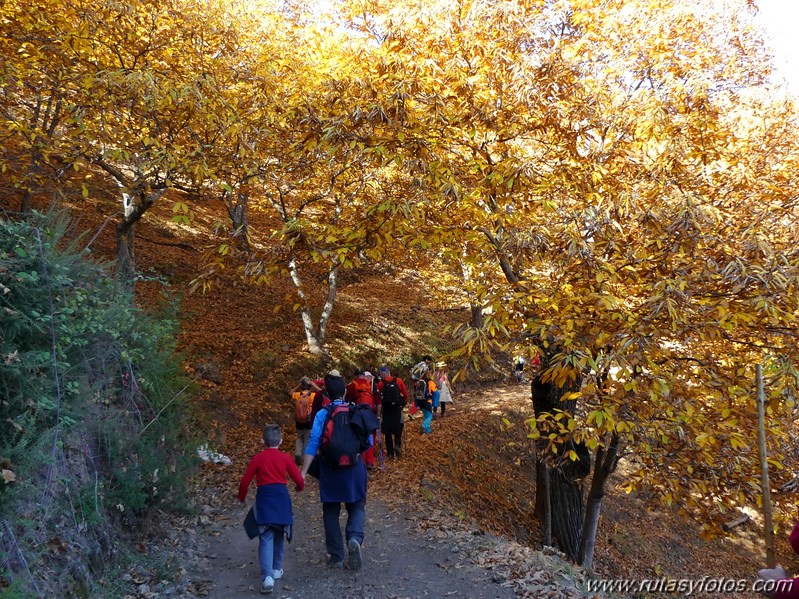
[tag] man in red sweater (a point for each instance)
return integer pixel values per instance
(272, 502)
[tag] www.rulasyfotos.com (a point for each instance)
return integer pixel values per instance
(687, 586)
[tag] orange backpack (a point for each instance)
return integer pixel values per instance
(363, 392)
(302, 407)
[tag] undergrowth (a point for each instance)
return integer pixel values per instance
(95, 411)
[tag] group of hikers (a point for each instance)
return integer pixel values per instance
(386, 395)
(338, 426)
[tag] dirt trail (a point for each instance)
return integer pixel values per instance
(399, 559)
(417, 542)
(404, 556)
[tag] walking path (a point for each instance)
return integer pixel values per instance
(399, 560)
(409, 551)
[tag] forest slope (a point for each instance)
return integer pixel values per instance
(477, 466)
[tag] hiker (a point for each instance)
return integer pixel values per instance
(536, 363)
(272, 502)
(519, 370)
(341, 432)
(333, 388)
(303, 395)
(375, 395)
(444, 388)
(423, 397)
(393, 397)
(418, 371)
(360, 392)
(775, 582)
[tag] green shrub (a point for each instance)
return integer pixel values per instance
(93, 400)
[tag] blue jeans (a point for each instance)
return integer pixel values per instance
(428, 418)
(356, 516)
(271, 548)
(436, 399)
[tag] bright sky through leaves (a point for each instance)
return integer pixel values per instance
(779, 18)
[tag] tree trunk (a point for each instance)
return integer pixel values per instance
(133, 209)
(544, 511)
(125, 254)
(314, 345)
(315, 336)
(476, 320)
(566, 496)
(26, 203)
(541, 486)
(765, 486)
(604, 465)
(238, 216)
(565, 488)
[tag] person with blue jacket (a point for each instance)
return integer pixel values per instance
(339, 485)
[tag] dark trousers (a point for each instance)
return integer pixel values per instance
(356, 517)
(394, 441)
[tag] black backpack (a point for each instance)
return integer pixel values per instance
(345, 434)
(420, 392)
(392, 397)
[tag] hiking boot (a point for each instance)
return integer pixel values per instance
(398, 453)
(277, 574)
(334, 563)
(268, 585)
(355, 554)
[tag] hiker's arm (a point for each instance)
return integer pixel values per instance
(295, 474)
(313, 442)
(403, 390)
(306, 463)
(246, 479)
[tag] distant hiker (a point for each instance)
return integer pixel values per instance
(360, 392)
(333, 388)
(272, 503)
(444, 388)
(303, 396)
(375, 395)
(519, 370)
(393, 397)
(419, 370)
(536, 364)
(340, 434)
(423, 397)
